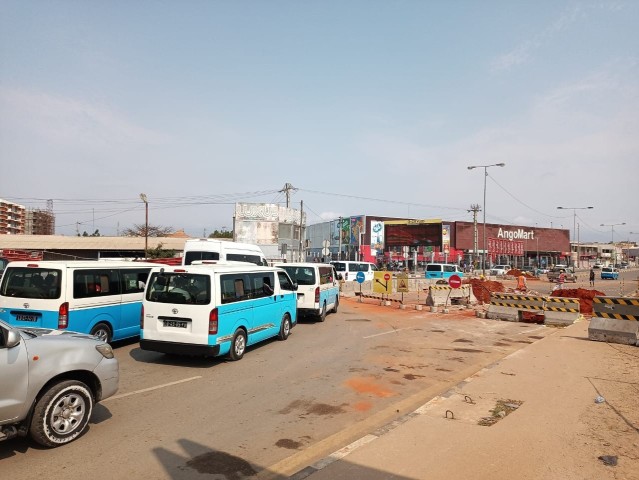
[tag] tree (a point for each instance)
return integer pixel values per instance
(159, 252)
(94, 234)
(221, 234)
(154, 231)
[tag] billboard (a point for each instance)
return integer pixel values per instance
(377, 237)
(357, 228)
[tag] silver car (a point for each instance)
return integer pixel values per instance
(50, 380)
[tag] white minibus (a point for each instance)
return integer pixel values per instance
(214, 310)
(212, 249)
(101, 298)
(317, 287)
(348, 270)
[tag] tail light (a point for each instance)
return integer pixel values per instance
(317, 294)
(142, 317)
(63, 315)
(213, 322)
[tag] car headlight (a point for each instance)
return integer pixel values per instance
(105, 349)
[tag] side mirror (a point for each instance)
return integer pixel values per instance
(294, 287)
(12, 338)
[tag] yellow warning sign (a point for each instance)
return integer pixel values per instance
(402, 282)
(382, 282)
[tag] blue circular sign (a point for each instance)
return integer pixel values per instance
(360, 277)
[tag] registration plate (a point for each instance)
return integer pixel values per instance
(174, 323)
(23, 317)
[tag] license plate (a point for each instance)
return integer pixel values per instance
(174, 323)
(22, 317)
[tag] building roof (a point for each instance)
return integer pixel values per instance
(63, 242)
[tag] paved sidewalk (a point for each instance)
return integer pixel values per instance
(558, 431)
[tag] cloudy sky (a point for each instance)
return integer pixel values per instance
(366, 107)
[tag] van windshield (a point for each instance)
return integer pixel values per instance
(301, 275)
(29, 282)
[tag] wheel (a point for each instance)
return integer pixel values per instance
(336, 304)
(102, 331)
(62, 413)
(322, 315)
(285, 328)
(238, 345)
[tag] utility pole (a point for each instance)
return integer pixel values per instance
(287, 189)
(339, 231)
(475, 209)
(301, 228)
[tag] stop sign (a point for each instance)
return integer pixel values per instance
(387, 277)
(454, 281)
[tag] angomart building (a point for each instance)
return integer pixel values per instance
(384, 239)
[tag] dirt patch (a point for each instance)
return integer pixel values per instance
(502, 409)
(483, 288)
(584, 295)
(363, 385)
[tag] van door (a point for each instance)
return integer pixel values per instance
(235, 309)
(133, 282)
(329, 290)
(266, 308)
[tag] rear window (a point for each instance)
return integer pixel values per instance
(192, 256)
(301, 275)
(339, 266)
(27, 282)
(179, 288)
(433, 268)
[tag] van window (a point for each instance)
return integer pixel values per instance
(95, 283)
(31, 282)
(326, 275)
(301, 275)
(134, 281)
(242, 257)
(285, 282)
(193, 255)
(262, 284)
(449, 268)
(433, 267)
(340, 266)
(179, 288)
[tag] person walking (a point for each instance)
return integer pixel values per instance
(521, 283)
(592, 277)
(561, 279)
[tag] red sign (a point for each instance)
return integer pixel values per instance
(454, 281)
(387, 276)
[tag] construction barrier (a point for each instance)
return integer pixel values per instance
(509, 306)
(440, 295)
(561, 311)
(615, 320)
(512, 307)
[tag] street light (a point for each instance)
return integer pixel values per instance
(612, 239)
(485, 167)
(574, 224)
(146, 223)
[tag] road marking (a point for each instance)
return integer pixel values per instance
(150, 389)
(390, 331)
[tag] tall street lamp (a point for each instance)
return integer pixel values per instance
(574, 224)
(612, 238)
(146, 223)
(485, 167)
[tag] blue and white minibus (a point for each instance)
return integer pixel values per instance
(214, 310)
(317, 287)
(101, 298)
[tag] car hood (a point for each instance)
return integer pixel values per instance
(50, 332)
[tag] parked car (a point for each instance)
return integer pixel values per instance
(598, 266)
(569, 273)
(609, 273)
(50, 381)
(500, 270)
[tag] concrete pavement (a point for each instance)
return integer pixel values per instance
(551, 427)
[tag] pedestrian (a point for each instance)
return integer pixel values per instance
(521, 283)
(592, 277)
(561, 278)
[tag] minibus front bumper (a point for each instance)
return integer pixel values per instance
(180, 348)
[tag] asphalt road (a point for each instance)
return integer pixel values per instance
(628, 282)
(280, 408)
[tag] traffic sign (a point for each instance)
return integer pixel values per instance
(402, 282)
(382, 282)
(326, 244)
(455, 281)
(326, 251)
(360, 277)
(387, 276)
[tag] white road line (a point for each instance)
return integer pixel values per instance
(150, 389)
(390, 331)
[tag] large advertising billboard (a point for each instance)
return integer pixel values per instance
(377, 237)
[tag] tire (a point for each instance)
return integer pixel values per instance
(336, 304)
(238, 345)
(322, 315)
(285, 328)
(61, 414)
(102, 331)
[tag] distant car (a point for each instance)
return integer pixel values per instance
(569, 274)
(623, 265)
(500, 270)
(598, 266)
(50, 381)
(609, 273)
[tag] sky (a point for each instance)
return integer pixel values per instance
(366, 107)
